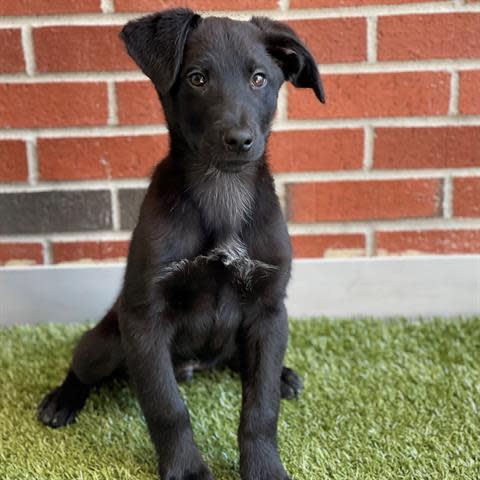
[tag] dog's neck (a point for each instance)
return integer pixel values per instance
(225, 200)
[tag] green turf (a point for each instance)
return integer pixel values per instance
(382, 400)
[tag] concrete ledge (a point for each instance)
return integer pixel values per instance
(381, 287)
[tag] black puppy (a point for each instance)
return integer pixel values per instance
(210, 256)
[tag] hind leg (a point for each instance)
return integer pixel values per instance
(98, 354)
(291, 384)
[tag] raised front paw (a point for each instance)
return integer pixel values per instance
(182, 269)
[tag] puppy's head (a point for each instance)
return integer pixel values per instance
(218, 79)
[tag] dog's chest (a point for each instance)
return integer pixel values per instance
(206, 292)
(224, 201)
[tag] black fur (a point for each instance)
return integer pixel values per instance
(210, 256)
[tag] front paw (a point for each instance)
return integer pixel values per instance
(181, 468)
(262, 463)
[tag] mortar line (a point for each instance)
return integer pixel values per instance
(286, 177)
(368, 148)
(284, 5)
(115, 208)
(28, 50)
(112, 103)
(61, 77)
(395, 66)
(394, 122)
(447, 197)
(331, 229)
(278, 125)
(454, 93)
(107, 236)
(282, 104)
(370, 246)
(69, 185)
(94, 131)
(107, 6)
(380, 174)
(436, 223)
(372, 39)
(276, 14)
(47, 252)
(32, 161)
(281, 191)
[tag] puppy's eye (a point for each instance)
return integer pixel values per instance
(258, 80)
(197, 79)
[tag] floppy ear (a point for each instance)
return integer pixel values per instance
(296, 62)
(156, 43)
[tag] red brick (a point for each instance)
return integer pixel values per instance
(89, 251)
(443, 147)
(154, 5)
(52, 104)
(334, 40)
(313, 150)
(99, 157)
(374, 95)
(348, 3)
(74, 49)
(466, 197)
(47, 7)
(430, 241)
(469, 99)
(328, 245)
(363, 200)
(453, 35)
(11, 59)
(13, 161)
(138, 103)
(21, 253)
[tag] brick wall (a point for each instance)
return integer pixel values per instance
(391, 165)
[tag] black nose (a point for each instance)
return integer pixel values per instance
(238, 139)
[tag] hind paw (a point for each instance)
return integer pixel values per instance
(55, 411)
(291, 384)
(61, 405)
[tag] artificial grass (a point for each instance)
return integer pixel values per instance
(382, 400)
